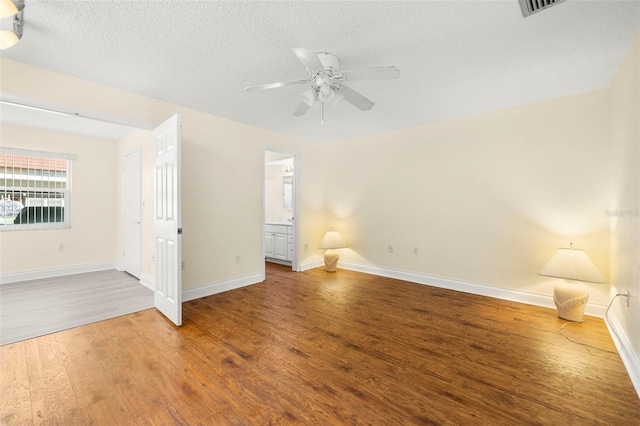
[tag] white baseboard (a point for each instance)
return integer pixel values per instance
(220, 287)
(625, 349)
(468, 287)
(148, 281)
(13, 277)
(312, 262)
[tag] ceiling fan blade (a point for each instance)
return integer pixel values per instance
(301, 110)
(309, 58)
(379, 73)
(276, 85)
(355, 98)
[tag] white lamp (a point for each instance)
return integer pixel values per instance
(571, 297)
(331, 241)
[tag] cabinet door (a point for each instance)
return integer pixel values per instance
(281, 246)
(269, 245)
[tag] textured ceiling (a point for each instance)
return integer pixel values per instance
(456, 57)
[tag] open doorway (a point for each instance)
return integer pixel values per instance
(280, 229)
(131, 213)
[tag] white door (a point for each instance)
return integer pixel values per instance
(131, 203)
(168, 221)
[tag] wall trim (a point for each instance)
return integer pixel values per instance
(13, 277)
(219, 287)
(630, 359)
(313, 262)
(148, 282)
(468, 287)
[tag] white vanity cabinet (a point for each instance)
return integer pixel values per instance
(278, 241)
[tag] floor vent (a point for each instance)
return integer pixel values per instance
(529, 7)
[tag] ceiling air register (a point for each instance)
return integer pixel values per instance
(529, 7)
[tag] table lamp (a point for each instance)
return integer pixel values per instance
(569, 295)
(331, 241)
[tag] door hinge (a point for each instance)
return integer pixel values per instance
(179, 231)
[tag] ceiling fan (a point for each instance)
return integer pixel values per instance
(327, 82)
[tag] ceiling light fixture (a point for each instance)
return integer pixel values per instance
(8, 8)
(326, 93)
(309, 97)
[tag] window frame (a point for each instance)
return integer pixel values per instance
(67, 191)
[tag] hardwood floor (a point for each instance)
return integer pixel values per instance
(321, 348)
(38, 307)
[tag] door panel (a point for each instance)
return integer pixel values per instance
(269, 245)
(281, 246)
(168, 226)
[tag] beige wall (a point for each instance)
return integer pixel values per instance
(92, 236)
(138, 140)
(220, 220)
(625, 200)
(485, 199)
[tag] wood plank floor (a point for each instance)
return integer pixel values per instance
(320, 348)
(38, 307)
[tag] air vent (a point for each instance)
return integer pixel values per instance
(529, 7)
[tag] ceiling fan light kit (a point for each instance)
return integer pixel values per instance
(13, 9)
(327, 82)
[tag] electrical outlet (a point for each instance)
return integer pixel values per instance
(237, 258)
(61, 247)
(390, 249)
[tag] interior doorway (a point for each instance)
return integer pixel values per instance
(131, 213)
(280, 208)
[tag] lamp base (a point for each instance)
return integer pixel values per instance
(330, 260)
(570, 299)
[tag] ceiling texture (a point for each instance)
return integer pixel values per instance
(455, 58)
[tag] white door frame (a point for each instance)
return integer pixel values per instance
(295, 262)
(134, 268)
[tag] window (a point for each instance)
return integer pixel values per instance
(35, 189)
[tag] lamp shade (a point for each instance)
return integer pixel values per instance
(7, 39)
(326, 93)
(8, 8)
(572, 264)
(332, 240)
(309, 97)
